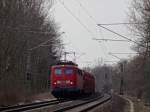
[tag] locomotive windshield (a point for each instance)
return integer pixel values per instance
(68, 71)
(58, 71)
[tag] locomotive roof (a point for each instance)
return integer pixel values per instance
(73, 66)
(66, 63)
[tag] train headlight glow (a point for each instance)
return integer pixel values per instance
(58, 82)
(71, 82)
(54, 83)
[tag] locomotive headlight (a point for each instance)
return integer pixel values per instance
(54, 83)
(58, 82)
(71, 82)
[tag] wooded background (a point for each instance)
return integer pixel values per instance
(29, 44)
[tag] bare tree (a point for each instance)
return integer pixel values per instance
(25, 24)
(140, 13)
(103, 78)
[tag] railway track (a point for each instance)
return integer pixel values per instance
(31, 106)
(84, 106)
(76, 105)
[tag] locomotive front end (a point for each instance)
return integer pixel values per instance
(63, 81)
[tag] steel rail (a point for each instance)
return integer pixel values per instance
(53, 103)
(30, 106)
(77, 104)
(96, 105)
(17, 106)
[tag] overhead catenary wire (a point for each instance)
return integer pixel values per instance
(124, 53)
(110, 40)
(102, 26)
(86, 11)
(92, 18)
(121, 35)
(37, 31)
(41, 44)
(77, 19)
(111, 24)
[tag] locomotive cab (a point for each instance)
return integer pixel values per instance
(67, 80)
(63, 77)
(63, 80)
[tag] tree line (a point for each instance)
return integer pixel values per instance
(132, 76)
(136, 72)
(29, 44)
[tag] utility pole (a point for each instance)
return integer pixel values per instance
(74, 53)
(65, 56)
(148, 45)
(28, 65)
(121, 79)
(122, 69)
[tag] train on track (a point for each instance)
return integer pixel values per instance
(68, 80)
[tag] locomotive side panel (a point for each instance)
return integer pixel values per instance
(89, 86)
(79, 80)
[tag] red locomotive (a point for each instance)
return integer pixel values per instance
(68, 80)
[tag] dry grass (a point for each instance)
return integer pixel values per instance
(117, 104)
(14, 98)
(42, 96)
(139, 105)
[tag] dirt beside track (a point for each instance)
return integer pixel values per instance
(117, 104)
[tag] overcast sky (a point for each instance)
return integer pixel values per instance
(79, 37)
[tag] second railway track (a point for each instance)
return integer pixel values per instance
(77, 105)
(20, 108)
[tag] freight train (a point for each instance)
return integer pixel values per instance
(68, 80)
